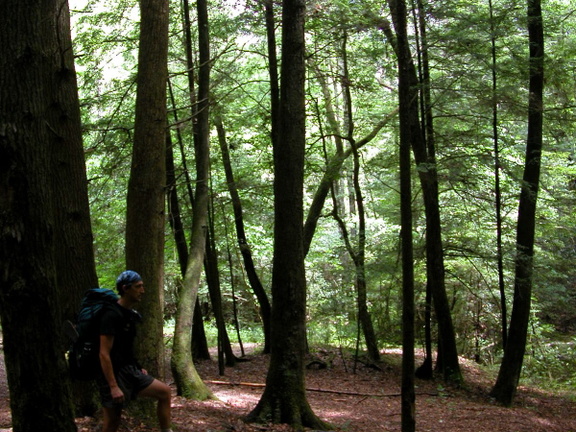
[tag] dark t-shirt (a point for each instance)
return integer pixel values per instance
(120, 323)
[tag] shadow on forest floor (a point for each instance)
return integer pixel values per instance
(365, 401)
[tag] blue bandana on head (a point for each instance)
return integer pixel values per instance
(127, 277)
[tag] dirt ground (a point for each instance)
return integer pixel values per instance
(365, 401)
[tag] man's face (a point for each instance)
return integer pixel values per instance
(135, 291)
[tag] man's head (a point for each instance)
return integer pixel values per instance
(125, 280)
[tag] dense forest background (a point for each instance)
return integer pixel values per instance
(477, 55)
(293, 174)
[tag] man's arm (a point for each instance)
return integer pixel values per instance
(106, 342)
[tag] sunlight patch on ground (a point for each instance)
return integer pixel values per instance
(232, 397)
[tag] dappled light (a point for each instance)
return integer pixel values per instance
(368, 401)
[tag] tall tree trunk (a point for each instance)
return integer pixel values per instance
(76, 269)
(358, 202)
(245, 249)
(509, 375)
(427, 172)
(284, 398)
(405, 65)
(36, 73)
(425, 371)
(187, 379)
(146, 188)
(197, 331)
(199, 348)
(75, 265)
(497, 191)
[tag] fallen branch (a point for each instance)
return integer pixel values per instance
(342, 392)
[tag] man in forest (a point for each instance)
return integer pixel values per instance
(122, 378)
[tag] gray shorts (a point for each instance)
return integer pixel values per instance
(131, 381)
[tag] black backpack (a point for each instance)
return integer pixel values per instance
(84, 351)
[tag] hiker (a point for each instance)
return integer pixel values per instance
(122, 378)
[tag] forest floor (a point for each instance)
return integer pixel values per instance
(365, 401)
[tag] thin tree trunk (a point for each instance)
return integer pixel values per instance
(245, 249)
(427, 172)
(199, 343)
(214, 288)
(405, 66)
(233, 291)
(364, 319)
(360, 261)
(187, 380)
(426, 370)
(334, 163)
(509, 375)
(497, 191)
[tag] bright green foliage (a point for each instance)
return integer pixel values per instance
(459, 41)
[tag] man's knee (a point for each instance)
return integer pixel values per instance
(157, 390)
(165, 392)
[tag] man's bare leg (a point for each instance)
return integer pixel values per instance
(163, 394)
(112, 417)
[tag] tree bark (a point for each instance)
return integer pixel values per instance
(35, 73)
(497, 189)
(509, 375)
(75, 265)
(398, 8)
(75, 253)
(284, 399)
(145, 220)
(187, 379)
(428, 175)
(199, 343)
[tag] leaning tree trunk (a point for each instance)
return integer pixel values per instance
(35, 73)
(245, 249)
(336, 161)
(187, 379)
(199, 348)
(509, 375)
(427, 172)
(284, 398)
